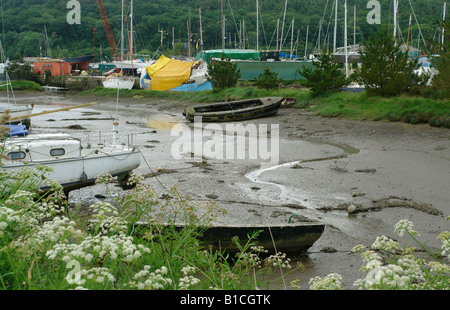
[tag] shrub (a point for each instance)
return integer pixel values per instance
(440, 86)
(326, 76)
(385, 70)
(223, 73)
(268, 80)
(20, 71)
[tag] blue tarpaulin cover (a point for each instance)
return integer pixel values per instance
(17, 130)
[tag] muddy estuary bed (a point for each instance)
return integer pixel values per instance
(359, 178)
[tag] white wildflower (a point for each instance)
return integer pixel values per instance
(403, 226)
(330, 282)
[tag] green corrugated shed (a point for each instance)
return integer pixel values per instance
(286, 70)
(236, 54)
(106, 67)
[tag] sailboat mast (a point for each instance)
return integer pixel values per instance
(278, 33)
(257, 25)
(189, 33)
(443, 19)
(395, 19)
(409, 31)
(201, 30)
(354, 25)
(131, 37)
(282, 28)
(335, 27)
(292, 38)
(345, 40)
(306, 44)
(121, 35)
(223, 24)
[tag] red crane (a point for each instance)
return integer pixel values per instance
(108, 31)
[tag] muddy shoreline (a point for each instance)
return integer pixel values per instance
(358, 177)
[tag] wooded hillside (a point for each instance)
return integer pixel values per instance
(24, 22)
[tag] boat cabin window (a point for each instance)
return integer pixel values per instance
(57, 152)
(17, 155)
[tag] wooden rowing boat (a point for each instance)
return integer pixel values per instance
(287, 238)
(288, 102)
(235, 110)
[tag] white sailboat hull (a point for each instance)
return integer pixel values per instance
(135, 64)
(78, 172)
(119, 82)
(73, 165)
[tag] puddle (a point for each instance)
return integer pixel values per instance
(165, 123)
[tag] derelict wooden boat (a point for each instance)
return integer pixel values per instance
(235, 110)
(292, 238)
(288, 102)
(286, 238)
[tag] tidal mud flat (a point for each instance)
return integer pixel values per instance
(359, 178)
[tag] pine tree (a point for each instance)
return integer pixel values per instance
(385, 69)
(223, 73)
(268, 80)
(326, 76)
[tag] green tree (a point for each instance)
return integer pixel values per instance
(440, 85)
(268, 80)
(19, 71)
(385, 70)
(223, 73)
(325, 76)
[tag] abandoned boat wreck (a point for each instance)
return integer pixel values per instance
(235, 110)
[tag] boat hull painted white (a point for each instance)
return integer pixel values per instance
(78, 172)
(17, 112)
(121, 83)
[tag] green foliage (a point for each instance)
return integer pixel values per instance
(440, 86)
(325, 76)
(223, 73)
(407, 109)
(268, 80)
(385, 70)
(19, 71)
(25, 86)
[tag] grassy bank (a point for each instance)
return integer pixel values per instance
(207, 96)
(407, 109)
(23, 86)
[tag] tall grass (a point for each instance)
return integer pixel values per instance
(408, 109)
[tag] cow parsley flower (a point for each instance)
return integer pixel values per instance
(403, 226)
(330, 282)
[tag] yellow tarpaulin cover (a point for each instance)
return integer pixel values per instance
(168, 73)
